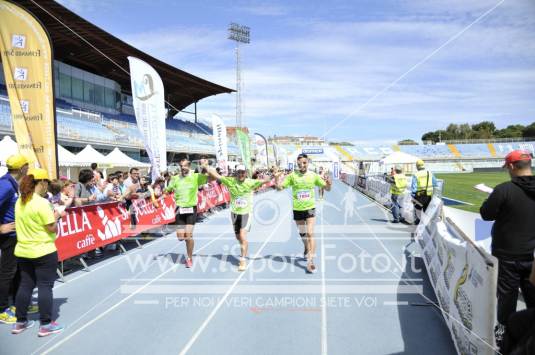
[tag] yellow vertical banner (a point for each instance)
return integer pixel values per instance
(26, 54)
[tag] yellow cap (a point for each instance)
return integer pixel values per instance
(39, 174)
(16, 161)
(420, 163)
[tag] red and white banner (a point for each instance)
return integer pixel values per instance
(212, 195)
(89, 227)
(148, 215)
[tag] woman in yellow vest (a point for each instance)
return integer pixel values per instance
(35, 222)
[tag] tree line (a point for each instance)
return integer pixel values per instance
(482, 130)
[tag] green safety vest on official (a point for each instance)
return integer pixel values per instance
(400, 184)
(424, 179)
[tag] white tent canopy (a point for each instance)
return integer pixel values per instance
(89, 155)
(117, 158)
(8, 147)
(406, 161)
(399, 158)
(68, 159)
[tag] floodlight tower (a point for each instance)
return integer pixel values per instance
(239, 34)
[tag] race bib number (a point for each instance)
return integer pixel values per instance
(303, 195)
(241, 202)
(185, 210)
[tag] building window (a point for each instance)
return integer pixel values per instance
(64, 85)
(99, 95)
(109, 98)
(77, 89)
(89, 92)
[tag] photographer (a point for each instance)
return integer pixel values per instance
(511, 205)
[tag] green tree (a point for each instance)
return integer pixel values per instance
(511, 131)
(430, 136)
(452, 131)
(443, 135)
(407, 142)
(341, 143)
(465, 131)
(483, 130)
(529, 131)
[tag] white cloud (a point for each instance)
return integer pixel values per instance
(321, 71)
(84, 6)
(263, 9)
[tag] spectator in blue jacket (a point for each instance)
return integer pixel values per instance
(17, 167)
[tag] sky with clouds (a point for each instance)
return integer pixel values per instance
(361, 70)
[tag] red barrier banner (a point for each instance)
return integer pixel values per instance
(86, 228)
(211, 191)
(212, 195)
(226, 194)
(201, 202)
(89, 227)
(149, 215)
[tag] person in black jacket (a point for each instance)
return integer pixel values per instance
(512, 206)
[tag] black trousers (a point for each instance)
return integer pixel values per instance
(513, 275)
(41, 272)
(520, 334)
(8, 268)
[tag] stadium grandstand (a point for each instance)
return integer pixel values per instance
(484, 155)
(443, 158)
(93, 96)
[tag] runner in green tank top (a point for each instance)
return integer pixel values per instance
(303, 183)
(241, 190)
(185, 186)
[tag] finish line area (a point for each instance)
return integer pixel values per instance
(370, 294)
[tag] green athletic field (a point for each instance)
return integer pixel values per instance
(461, 187)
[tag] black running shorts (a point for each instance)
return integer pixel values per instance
(304, 215)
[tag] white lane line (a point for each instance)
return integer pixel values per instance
(64, 340)
(395, 303)
(147, 302)
(323, 291)
(116, 259)
(172, 279)
(227, 294)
